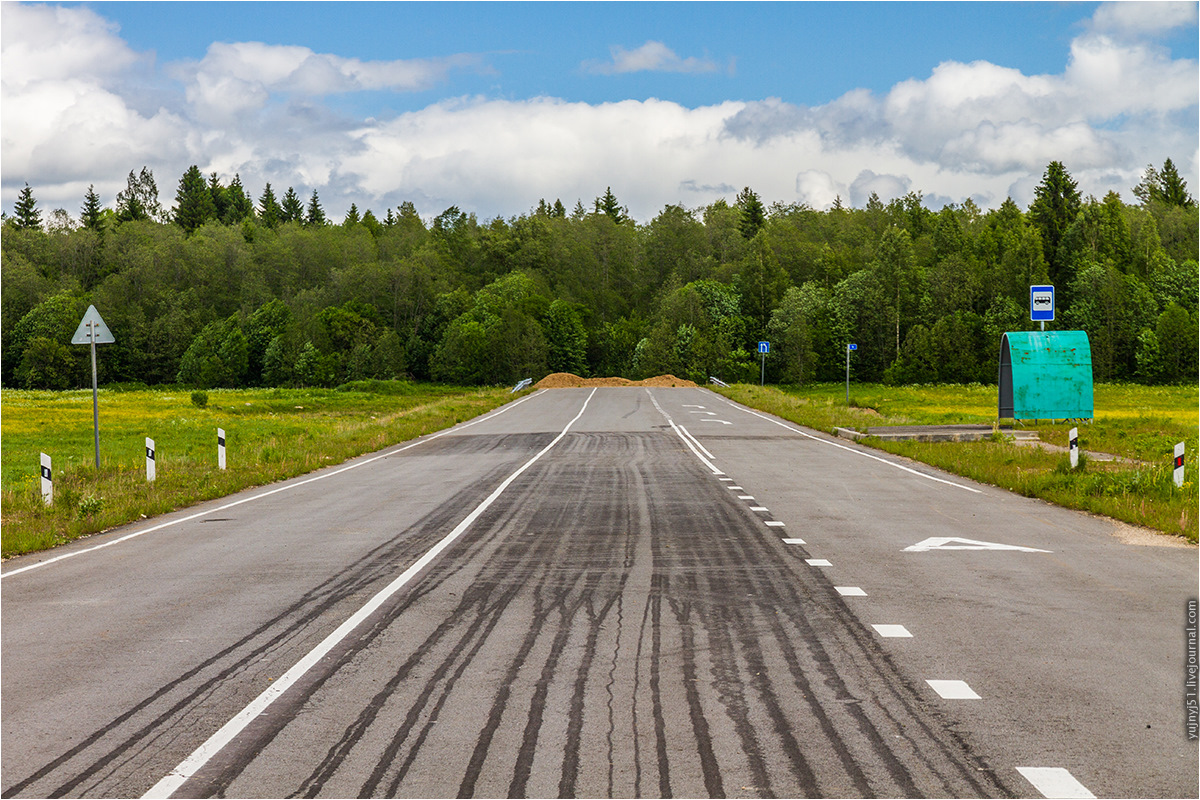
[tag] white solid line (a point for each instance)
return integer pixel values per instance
(817, 562)
(893, 632)
(696, 442)
(850, 449)
(277, 490)
(953, 690)
(178, 776)
(1055, 782)
(774, 523)
(794, 541)
(850, 591)
(675, 428)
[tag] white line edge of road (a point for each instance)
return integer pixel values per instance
(276, 490)
(848, 449)
(680, 433)
(190, 765)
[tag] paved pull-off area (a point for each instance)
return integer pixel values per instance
(603, 592)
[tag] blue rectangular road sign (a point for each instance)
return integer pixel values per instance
(764, 347)
(1041, 303)
(851, 347)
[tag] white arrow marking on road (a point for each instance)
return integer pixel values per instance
(955, 543)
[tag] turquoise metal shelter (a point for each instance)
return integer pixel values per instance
(1045, 375)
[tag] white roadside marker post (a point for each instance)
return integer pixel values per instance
(151, 472)
(47, 480)
(220, 448)
(1073, 437)
(1179, 465)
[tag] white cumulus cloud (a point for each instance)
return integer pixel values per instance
(650, 57)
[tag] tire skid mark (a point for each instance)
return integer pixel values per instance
(227, 667)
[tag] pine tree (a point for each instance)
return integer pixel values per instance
(193, 201)
(90, 215)
(268, 209)
(608, 205)
(754, 216)
(389, 220)
(28, 217)
(1055, 206)
(292, 210)
(352, 216)
(315, 215)
(220, 197)
(238, 206)
(1174, 187)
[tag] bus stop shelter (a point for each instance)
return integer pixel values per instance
(1045, 375)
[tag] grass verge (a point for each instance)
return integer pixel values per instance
(271, 435)
(1139, 424)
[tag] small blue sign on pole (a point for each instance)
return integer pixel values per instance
(764, 347)
(851, 347)
(1041, 303)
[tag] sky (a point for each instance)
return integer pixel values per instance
(493, 106)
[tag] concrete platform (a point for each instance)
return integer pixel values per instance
(937, 433)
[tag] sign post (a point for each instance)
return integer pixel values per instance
(763, 349)
(1041, 304)
(849, 347)
(93, 331)
(1178, 473)
(1073, 443)
(47, 480)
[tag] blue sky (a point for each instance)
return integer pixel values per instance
(491, 106)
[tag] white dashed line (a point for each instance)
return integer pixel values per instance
(745, 497)
(774, 523)
(850, 591)
(735, 488)
(794, 541)
(758, 508)
(817, 562)
(1054, 782)
(893, 632)
(953, 690)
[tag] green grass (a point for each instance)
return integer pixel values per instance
(271, 434)
(1140, 424)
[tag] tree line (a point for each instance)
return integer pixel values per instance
(223, 291)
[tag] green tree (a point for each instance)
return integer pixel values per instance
(352, 216)
(1055, 206)
(291, 209)
(566, 340)
(269, 211)
(91, 213)
(238, 207)
(139, 199)
(1176, 337)
(315, 216)
(48, 364)
(28, 217)
(753, 216)
(1165, 186)
(193, 201)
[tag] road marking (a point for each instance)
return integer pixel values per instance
(722, 421)
(850, 449)
(893, 632)
(695, 441)
(735, 488)
(728, 479)
(178, 776)
(774, 523)
(953, 690)
(948, 543)
(850, 591)
(710, 413)
(270, 492)
(794, 541)
(1054, 782)
(745, 497)
(817, 562)
(686, 440)
(691, 405)
(758, 508)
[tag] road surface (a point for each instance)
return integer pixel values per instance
(611, 592)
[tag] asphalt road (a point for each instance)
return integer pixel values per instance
(619, 592)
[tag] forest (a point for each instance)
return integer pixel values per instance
(221, 290)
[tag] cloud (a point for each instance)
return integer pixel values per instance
(650, 57)
(1143, 18)
(93, 109)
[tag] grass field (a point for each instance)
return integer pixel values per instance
(271, 434)
(1139, 424)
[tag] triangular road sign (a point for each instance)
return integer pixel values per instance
(92, 329)
(954, 543)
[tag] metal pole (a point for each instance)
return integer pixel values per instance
(762, 375)
(847, 375)
(95, 401)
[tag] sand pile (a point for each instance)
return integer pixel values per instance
(565, 380)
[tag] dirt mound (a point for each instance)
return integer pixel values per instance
(565, 380)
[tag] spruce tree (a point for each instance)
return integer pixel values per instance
(90, 215)
(268, 209)
(193, 201)
(315, 215)
(1055, 206)
(292, 210)
(754, 216)
(237, 203)
(28, 217)
(1173, 187)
